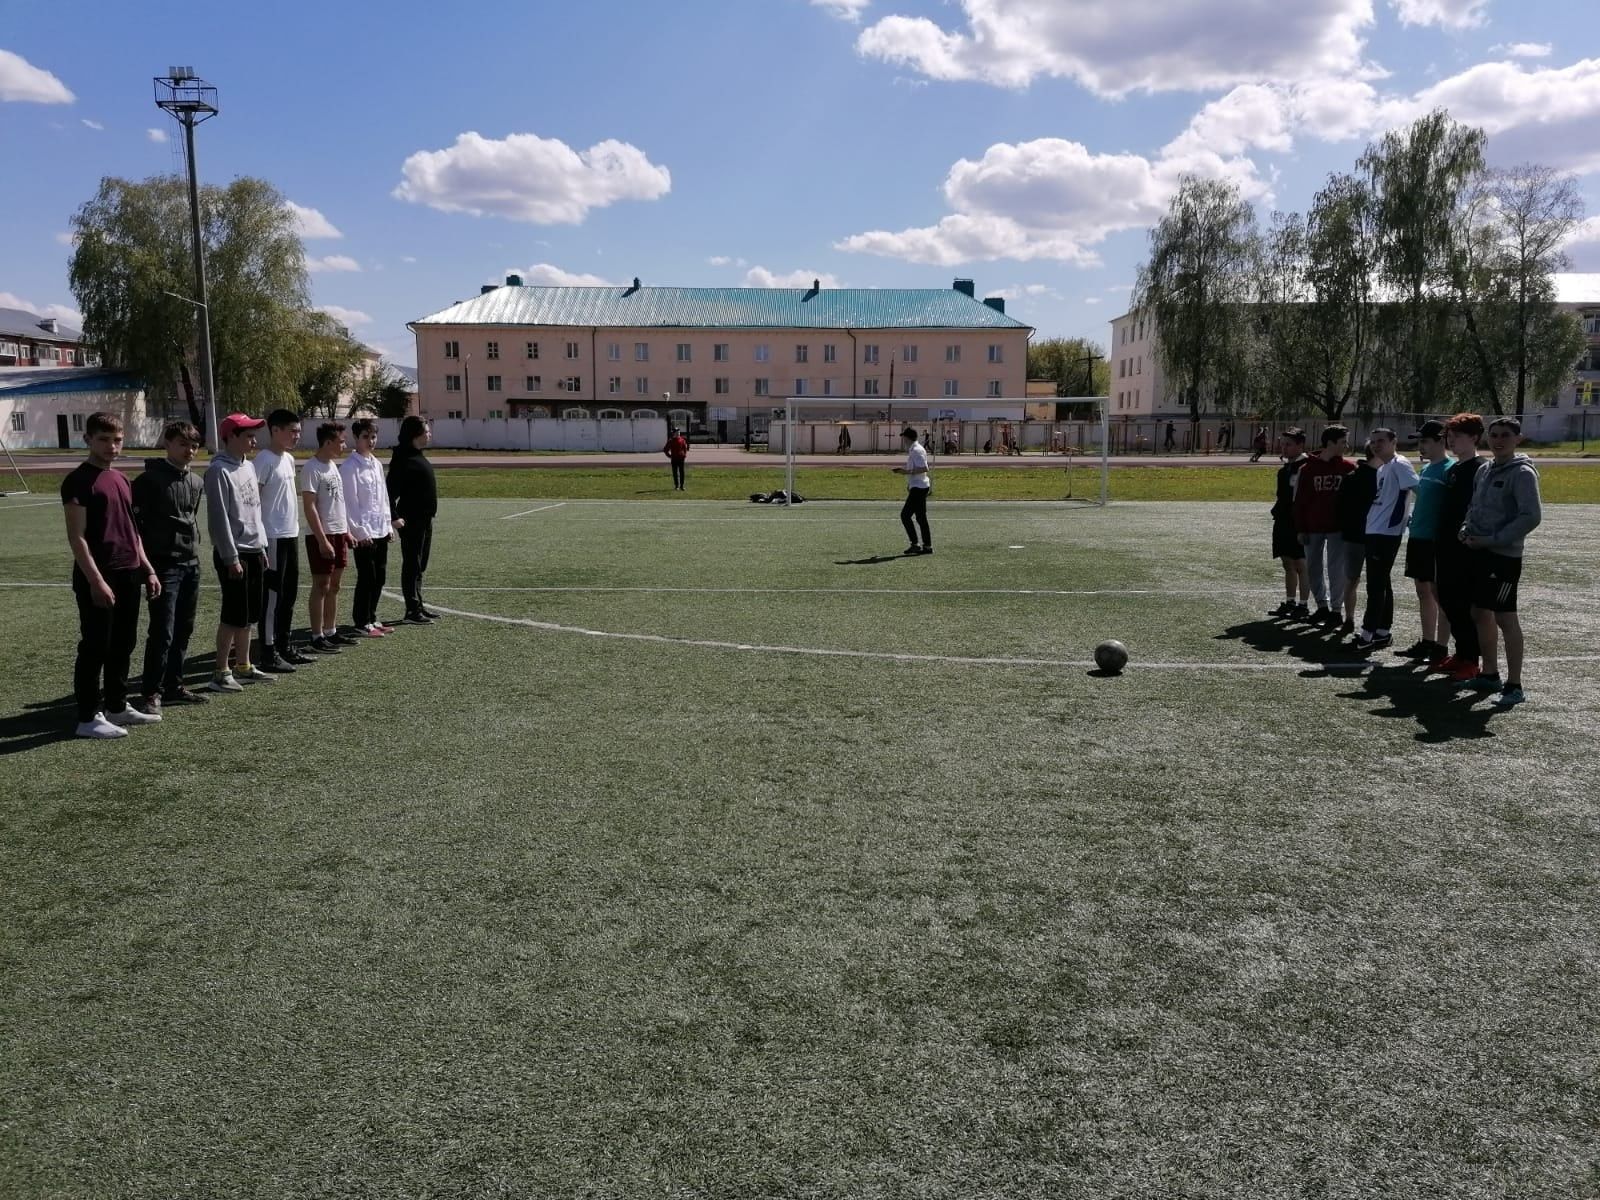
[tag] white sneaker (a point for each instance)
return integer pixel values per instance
(98, 727)
(224, 682)
(254, 674)
(132, 716)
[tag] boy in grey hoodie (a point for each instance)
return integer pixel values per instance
(1505, 508)
(238, 549)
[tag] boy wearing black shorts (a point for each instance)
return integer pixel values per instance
(1286, 544)
(238, 550)
(1421, 553)
(1505, 509)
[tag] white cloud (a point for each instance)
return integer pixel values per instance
(723, 260)
(332, 262)
(20, 80)
(1091, 299)
(1523, 49)
(95, 125)
(524, 177)
(61, 312)
(845, 10)
(67, 238)
(156, 135)
(760, 277)
(406, 258)
(1451, 14)
(1025, 291)
(309, 223)
(549, 275)
(1150, 45)
(348, 317)
(1585, 233)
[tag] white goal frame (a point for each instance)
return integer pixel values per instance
(16, 470)
(1010, 404)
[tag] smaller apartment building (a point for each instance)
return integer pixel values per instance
(29, 340)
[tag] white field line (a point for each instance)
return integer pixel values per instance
(531, 511)
(805, 591)
(32, 504)
(891, 656)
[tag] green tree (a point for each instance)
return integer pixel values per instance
(1078, 366)
(382, 393)
(329, 359)
(133, 247)
(1197, 285)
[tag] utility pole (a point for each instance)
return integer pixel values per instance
(191, 101)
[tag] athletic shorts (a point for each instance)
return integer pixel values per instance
(1355, 558)
(1286, 541)
(341, 554)
(242, 595)
(1494, 581)
(1421, 559)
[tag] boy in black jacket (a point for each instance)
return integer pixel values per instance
(413, 503)
(1286, 544)
(166, 500)
(1359, 489)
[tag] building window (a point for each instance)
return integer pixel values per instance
(720, 387)
(492, 382)
(77, 422)
(869, 387)
(19, 421)
(908, 354)
(952, 354)
(572, 349)
(950, 387)
(1122, 368)
(497, 414)
(762, 387)
(763, 352)
(644, 414)
(1139, 366)
(799, 387)
(452, 349)
(613, 351)
(997, 354)
(614, 384)
(1591, 325)
(683, 352)
(802, 353)
(492, 350)
(574, 414)
(533, 383)
(572, 383)
(869, 354)
(830, 353)
(533, 349)
(9, 348)
(641, 352)
(452, 383)
(719, 352)
(680, 418)
(611, 414)
(994, 387)
(641, 385)
(453, 414)
(908, 387)
(827, 387)
(683, 385)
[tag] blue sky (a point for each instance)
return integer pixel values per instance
(1025, 143)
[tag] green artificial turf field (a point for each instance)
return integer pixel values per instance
(714, 850)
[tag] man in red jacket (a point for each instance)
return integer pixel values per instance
(1316, 516)
(677, 449)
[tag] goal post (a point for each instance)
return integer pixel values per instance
(820, 431)
(22, 479)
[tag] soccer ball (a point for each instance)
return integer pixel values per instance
(1111, 656)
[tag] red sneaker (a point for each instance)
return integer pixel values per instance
(1446, 664)
(1466, 671)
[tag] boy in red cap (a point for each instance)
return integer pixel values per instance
(238, 549)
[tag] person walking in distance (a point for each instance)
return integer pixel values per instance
(1224, 436)
(166, 507)
(327, 536)
(1386, 524)
(1171, 442)
(367, 507)
(1452, 560)
(1316, 518)
(110, 573)
(238, 550)
(676, 449)
(280, 517)
(919, 486)
(1258, 444)
(413, 503)
(1286, 544)
(1505, 509)
(1421, 553)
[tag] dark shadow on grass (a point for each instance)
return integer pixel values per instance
(868, 562)
(1307, 643)
(38, 725)
(1102, 673)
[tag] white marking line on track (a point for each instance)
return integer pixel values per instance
(33, 504)
(803, 591)
(531, 511)
(890, 656)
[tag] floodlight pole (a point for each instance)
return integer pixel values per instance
(190, 101)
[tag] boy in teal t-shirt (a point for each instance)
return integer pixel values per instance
(1420, 553)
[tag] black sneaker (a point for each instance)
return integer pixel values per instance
(429, 613)
(291, 655)
(1347, 626)
(1381, 642)
(1286, 609)
(1324, 617)
(182, 695)
(1421, 648)
(320, 645)
(913, 549)
(415, 618)
(276, 665)
(1302, 612)
(343, 639)
(927, 549)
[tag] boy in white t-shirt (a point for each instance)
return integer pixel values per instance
(366, 502)
(280, 516)
(1386, 525)
(919, 486)
(328, 539)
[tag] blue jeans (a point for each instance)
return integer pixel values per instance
(166, 644)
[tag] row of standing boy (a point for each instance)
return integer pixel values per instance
(139, 542)
(1335, 520)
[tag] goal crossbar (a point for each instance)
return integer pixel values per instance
(1005, 415)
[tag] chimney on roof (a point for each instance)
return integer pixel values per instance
(816, 285)
(965, 287)
(998, 303)
(513, 280)
(634, 288)
(486, 288)
(48, 324)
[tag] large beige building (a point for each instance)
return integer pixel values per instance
(703, 355)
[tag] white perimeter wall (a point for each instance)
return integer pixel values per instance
(631, 435)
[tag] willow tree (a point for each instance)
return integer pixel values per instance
(133, 250)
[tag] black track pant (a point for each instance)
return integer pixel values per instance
(282, 578)
(916, 506)
(1453, 578)
(677, 472)
(1381, 552)
(416, 541)
(372, 571)
(106, 637)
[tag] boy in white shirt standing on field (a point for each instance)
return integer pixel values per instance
(366, 501)
(1386, 525)
(919, 486)
(328, 539)
(280, 516)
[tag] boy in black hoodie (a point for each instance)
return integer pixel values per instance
(166, 501)
(413, 503)
(1356, 494)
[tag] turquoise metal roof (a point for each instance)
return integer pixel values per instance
(726, 308)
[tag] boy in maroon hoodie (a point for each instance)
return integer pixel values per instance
(677, 449)
(1316, 516)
